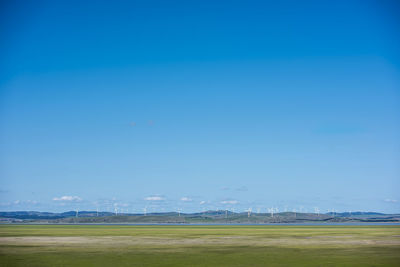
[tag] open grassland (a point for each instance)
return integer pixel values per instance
(109, 245)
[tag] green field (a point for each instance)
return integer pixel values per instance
(108, 245)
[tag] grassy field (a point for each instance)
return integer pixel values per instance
(103, 245)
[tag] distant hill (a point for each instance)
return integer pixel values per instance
(357, 213)
(218, 216)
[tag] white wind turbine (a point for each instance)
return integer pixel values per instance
(277, 213)
(248, 213)
(271, 210)
(77, 212)
(332, 212)
(316, 210)
(145, 211)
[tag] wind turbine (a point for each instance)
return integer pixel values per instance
(248, 213)
(77, 211)
(145, 211)
(316, 210)
(97, 210)
(115, 210)
(271, 210)
(332, 212)
(277, 213)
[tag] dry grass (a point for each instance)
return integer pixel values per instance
(199, 246)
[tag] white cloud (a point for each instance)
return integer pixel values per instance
(186, 199)
(120, 204)
(154, 198)
(5, 204)
(241, 189)
(20, 202)
(202, 202)
(233, 202)
(390, 200)
(67, 198)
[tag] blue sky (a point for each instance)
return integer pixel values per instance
(197, 105)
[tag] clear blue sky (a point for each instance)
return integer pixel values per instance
(200, 105)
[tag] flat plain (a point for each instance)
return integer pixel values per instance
(205, 245)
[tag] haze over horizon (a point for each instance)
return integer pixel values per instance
(200, 105)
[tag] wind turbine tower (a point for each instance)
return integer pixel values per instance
(248, 213)
(271, 210)
(316, 210)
